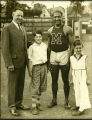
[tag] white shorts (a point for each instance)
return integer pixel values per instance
(59, 58)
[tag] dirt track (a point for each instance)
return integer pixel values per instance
(58, 112)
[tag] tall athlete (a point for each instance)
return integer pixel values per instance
(59, 49)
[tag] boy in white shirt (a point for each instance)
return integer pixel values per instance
(37, 55)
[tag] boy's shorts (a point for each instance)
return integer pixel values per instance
(39, 79)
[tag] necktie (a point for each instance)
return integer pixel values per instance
(19, 27)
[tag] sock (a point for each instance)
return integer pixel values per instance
(34, 102)
(38, 100)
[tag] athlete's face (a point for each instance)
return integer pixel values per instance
(38, 38)
(18, 16)
(78, 49)
(57, 18)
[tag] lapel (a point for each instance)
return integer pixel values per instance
(16, 31)
(25, 36)
(14, 28)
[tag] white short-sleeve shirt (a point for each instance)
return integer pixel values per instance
(37, 53)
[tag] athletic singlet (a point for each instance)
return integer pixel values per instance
(58, 40)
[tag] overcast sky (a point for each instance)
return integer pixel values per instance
(49, 4)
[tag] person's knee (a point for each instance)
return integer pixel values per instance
(66, 86)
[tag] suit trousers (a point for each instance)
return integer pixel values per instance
(16, 86)
(64, 72)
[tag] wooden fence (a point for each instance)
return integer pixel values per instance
(33, 24)
(37, 24)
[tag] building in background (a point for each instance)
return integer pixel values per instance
(45, 13)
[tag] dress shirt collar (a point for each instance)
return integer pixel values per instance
(15, 24)
(38, 44)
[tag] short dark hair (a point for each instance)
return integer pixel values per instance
(77, 42)
(37, 32)
(17, 8)
(59, 11)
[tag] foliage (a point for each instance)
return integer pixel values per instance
(77, 8)
(32, 13)
(36, 11)
(10, 5)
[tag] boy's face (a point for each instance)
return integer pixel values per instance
(78, 49)
(38, 38)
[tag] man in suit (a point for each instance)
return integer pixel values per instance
(14, 50)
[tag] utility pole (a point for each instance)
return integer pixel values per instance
(66, 15)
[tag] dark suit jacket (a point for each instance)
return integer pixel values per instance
(14, 45)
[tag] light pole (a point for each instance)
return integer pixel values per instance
(66, 15)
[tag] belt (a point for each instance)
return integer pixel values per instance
(40, 64)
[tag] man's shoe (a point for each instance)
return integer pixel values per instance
(39, 107)
(77, 113)
(22, 107)
(52, 104)
(74, 108)
(35, 111)
(14, 112)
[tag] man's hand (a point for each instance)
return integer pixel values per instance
(87, 82)
(50, 67)
(30, 73)
(11, 68)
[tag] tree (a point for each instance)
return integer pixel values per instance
(77, 8)
(37, 10)
(10, 5)
(28, 13)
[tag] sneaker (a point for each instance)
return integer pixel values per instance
(52, 104)
(67, 106)
(77, 113)
(35, 111)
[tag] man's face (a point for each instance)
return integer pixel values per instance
(57, 17)
(38, 38)
(18, 16)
